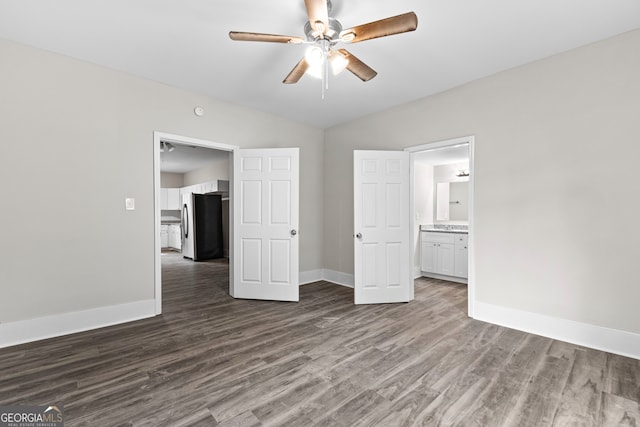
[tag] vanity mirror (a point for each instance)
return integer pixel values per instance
(452, 201)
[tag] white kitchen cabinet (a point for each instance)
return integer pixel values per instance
(175, 237)
(170, 199)
(443, 254)
(173, 199)
(164, 236)
(208, 187)
(164, 199)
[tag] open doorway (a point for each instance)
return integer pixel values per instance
(442, 212)
(186, 168)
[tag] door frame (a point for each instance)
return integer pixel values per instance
(182, 140)
(413, 150)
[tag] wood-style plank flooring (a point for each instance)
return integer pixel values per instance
(210, 360)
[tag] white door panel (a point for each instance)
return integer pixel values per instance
(381, 223)
(266, 224)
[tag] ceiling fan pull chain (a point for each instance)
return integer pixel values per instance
(324, 77)
(326, 69)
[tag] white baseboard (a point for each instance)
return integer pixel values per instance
(584, 334)
(24, 331)
(443, 277)
(335, 277)
(310, 276)
(338, 278)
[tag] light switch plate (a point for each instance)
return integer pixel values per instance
(130, 204)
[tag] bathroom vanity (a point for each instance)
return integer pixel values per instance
(444, 253)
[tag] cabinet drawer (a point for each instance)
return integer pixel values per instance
(435, 237)
(461, 239)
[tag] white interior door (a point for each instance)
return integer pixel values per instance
(265, 224)
(381, 225)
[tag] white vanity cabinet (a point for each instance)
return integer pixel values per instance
(437, 254)
(444, 254)
(462, 255)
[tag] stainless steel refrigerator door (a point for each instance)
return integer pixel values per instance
(187, 226)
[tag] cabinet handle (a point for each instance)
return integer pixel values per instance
(185, 220)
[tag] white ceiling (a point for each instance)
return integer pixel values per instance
(444, 156)
(185, 44)
(187, 158)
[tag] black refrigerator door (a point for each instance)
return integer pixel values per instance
(207, 227)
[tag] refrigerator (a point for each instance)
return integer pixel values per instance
(202, 226)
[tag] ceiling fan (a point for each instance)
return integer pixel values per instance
(323, 33)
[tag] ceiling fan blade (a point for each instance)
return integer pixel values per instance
(297, 72)
(384, 27)
(259, 37)
(318, 15)
(357, 67)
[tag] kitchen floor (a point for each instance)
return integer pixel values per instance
(212, 360)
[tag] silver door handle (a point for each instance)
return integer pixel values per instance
(359, 236)
(294, 232)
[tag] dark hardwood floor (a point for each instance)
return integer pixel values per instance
(210, 360)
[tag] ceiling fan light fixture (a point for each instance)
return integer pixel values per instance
(338, 62)
(314, 56)
(323, 33)
(315, 71)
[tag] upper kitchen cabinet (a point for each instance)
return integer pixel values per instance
(169, 199)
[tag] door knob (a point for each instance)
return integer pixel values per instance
(294, 232)
(359, 235)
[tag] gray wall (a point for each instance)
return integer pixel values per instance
(171, 180)
(556, 186)
(217, 169)
(77, 139)
(556, 154)
(423, 197)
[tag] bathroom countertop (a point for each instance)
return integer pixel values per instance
(443, 230)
